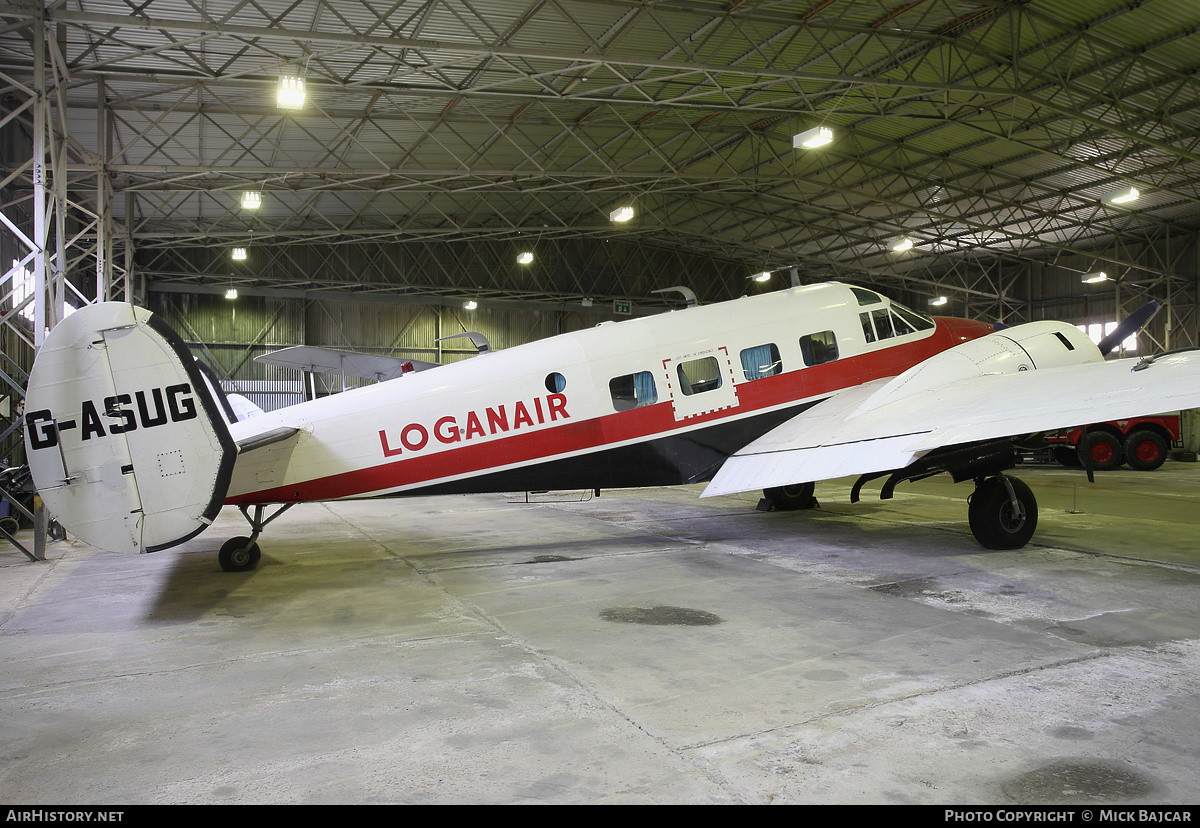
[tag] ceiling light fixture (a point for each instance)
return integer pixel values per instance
(815, 137)
(251, 200)
(941, 300)
(764, 276)
(239, 254)
(1124, 196)
(902, 245)
(525, 258)
(231, 293)
(470, 304)
(290, 93)
(621, 214)
(1092, 278)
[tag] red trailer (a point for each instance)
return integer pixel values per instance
(1143, 443)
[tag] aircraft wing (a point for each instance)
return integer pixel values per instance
(329, 361)
(879, 427)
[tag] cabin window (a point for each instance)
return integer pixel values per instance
(556, 383)
(633, 391)
(699, 375)
(819, 348)
(761, 361)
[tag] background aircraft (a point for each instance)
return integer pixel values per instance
(134, 451)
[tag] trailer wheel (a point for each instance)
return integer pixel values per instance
(1145, 450)
(1105, 451)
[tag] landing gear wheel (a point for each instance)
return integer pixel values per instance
(1145, 450)
(239, 555)
(997, 522)
(1105, 450)
(790, 498)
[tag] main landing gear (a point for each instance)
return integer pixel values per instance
(1002, 512)
(788, 498)
(243, 554)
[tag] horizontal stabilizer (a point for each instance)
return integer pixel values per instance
(267, 438)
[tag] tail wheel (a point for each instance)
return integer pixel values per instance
(1145, 450)
(239, 555)
(789, 498)
(1105, 451)
(998, 522)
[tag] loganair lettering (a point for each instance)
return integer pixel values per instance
(490, 421)
(142, 409)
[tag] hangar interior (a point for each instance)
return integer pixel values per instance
(994, 156)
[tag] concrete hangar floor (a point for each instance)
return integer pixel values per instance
(643, 647)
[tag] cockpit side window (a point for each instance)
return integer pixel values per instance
(868, 328)
(883, 324)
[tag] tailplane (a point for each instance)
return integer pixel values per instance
(126, 443)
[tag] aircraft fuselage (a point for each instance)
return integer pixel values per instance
(660, 400)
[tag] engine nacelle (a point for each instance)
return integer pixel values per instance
(1022, 348)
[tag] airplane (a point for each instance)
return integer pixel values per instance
(134, 449)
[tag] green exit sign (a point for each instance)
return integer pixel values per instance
(622, 306)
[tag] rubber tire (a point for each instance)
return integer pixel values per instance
(235, 557)
(990, 513)
(1145, 450)
(1066, 456)
(1105, 449)
(791, 498)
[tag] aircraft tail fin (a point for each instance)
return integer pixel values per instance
(126, 442)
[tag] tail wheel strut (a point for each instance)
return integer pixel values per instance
(243, 554)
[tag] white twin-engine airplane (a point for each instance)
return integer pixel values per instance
(133, 450)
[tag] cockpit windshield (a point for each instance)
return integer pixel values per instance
(892, 320)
